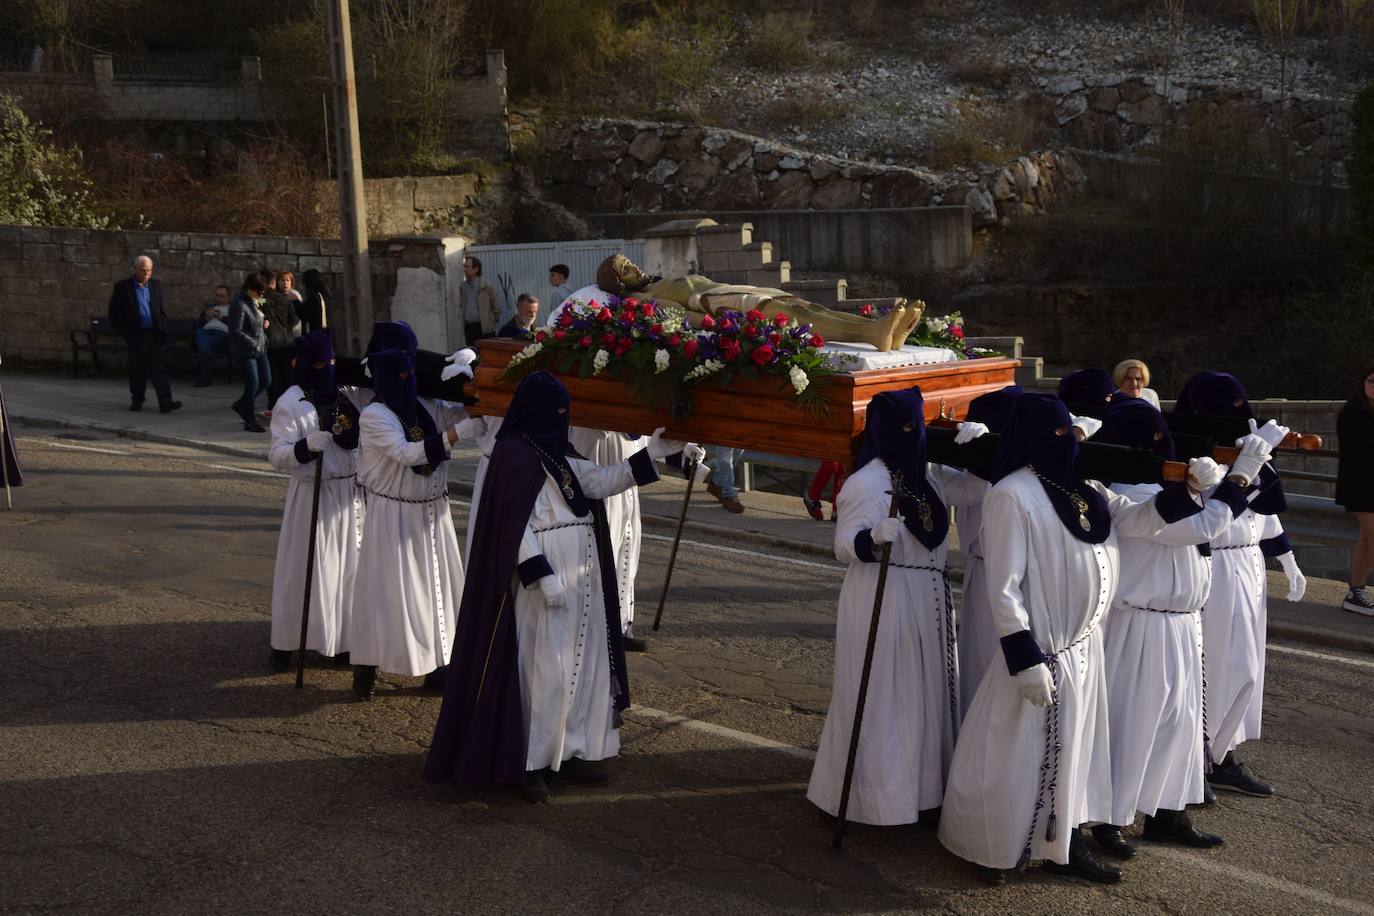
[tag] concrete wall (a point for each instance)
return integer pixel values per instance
(56, 280)
(860, 241)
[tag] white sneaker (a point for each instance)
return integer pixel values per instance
(1358, 601)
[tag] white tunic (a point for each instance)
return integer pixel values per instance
(565, 665)
(338, 533)
(1043, 579)
(1154, 663)
(485, 442)
(911, 713)
(978, 647)
(622, 509)
(410, 575)
(1233, 632)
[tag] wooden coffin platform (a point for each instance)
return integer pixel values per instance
(760, 414)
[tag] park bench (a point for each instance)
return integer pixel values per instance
(101, 337)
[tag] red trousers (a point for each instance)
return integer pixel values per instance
(824, 473)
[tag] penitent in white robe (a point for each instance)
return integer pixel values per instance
(622, 510)
(410, 575)
(1154, 662)
(911, 714)
(486, 441)
(1233, 632)
(565, 663)
(978, 646)
(1042, 579)
(338, 533)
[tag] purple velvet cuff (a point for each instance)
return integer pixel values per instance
(643, 467)
(1275, 547)
(533, 569)
(1174, 503)
(303, 453)
(435, 449)
(1233, 496)
(863, 546)
(1021, 651)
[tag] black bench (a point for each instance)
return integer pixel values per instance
(101, 337)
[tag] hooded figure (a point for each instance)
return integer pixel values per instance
(1153, 650)
(1033, 758)
(539, 669)
(410, 572)
(315, 420)
(912, 710)
(11, 458)
(1235, 616)
(1087, 392)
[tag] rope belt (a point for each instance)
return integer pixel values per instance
(402, 499)
(1157, 610)
(977, 556)
(947, 641)
(342, 476)
(563, 525)
(1237, 547)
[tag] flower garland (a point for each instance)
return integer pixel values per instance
(942, 331)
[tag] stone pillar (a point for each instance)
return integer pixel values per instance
(428, 274)
(250, 83)
(670, 249)
(102, 67)
(496, 67)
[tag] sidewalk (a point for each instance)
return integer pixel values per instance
(771, 522)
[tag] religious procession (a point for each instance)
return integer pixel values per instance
(1105, 664)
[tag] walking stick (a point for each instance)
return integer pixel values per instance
(690, 468)
(868, 669)
(309, 569)
(4, 463)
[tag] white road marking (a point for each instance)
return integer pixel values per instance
(721, 731)
(80, 448)
(1342, 659)
(666, 794)
(752, 554)
(1190, 859)
(230, 467)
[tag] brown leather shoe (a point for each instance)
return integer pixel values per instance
(729, 502)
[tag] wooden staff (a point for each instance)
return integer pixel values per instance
(4, 463)
(690, 468)
(309, 569)
(868, 668)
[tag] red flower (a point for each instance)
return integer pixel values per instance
(729, 348)
(565, 319)
(780, 320)
(751, 329)
(541, 336)
(762, 355)
(817, 341)
(957, 332)
(648, 310)
(656, 328)
(708, 322)
(866, 310)
(608, 339)
(623, 346)
(775, 338)
(604, 315)
(755, 315)
(585, 342)
(631, 303)
(675, 340)
(691, 346)
(560, 334)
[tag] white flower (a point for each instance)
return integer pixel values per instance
(599, 361)
(526, 353)
(798, 379)
(705, 369)
(660, 361)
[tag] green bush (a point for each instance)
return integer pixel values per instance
(41, 183)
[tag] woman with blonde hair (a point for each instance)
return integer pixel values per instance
(1132, 378)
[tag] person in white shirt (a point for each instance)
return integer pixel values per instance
(212, 335)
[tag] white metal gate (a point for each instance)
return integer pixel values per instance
(516, 269)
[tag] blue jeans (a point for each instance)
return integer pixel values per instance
(256, 377)
(722, 463)
(211, 341)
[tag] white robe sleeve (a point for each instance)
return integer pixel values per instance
(1006, 552)
(961, 488)
(1201, 528)
(1130, 519)
(448, 413)
(385, 438)
(857, 510)
(601, 480)
(288, 428)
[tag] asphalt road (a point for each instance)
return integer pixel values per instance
(152, 763)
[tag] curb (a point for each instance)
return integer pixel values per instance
(1317, 636)
(130, 432)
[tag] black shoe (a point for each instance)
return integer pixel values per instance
(635, 644)
(434, 681)
(1357, 601)
(244, 414)
(253, 426)
(814, 508)
(993, 876)
(1234, 776)
(341, 660)
(1209, 798)
(279, 660)
(1083, 864)
(136, 406)
(1112, 842)
(583, 772)
(1176, 827)
(536, 789)
(169, 407)
(364, 681)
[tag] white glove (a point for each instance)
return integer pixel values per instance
(317, 440)
(471, 428)
(1204, 473)
(555, 595)
(1036, 685)
(888, 530)
(1297, 582)
(660, 448)
(460, 363)
(693, 452)
(1086, 427)
(1254, 452)
(968, 431)
(1270, 432)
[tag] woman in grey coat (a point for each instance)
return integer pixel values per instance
(248, 347)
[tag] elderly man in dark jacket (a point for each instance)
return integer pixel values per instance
(137, 315)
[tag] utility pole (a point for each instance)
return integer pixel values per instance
(357, 275)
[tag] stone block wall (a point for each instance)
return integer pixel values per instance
(55, 280)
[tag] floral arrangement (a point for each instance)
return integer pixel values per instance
(944, 331)
(650, 347)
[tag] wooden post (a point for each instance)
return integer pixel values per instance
(357, 275)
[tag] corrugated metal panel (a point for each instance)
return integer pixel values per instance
(516, 269)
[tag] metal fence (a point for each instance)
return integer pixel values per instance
(516, 269)
(179, 68)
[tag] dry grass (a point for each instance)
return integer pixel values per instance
(805, 107)
(985, 72)
(779, 40)
(985, 131)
